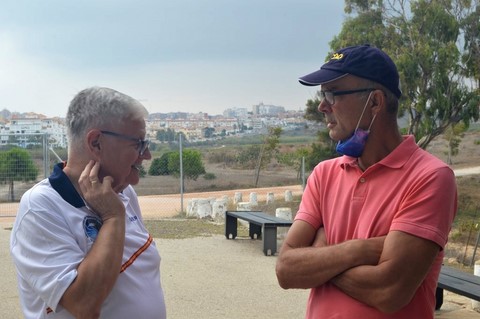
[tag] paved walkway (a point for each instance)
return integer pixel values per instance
(467, 171)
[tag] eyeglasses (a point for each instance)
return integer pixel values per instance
(142, 145)
(329, 96)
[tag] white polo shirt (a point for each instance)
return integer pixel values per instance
(52, 234)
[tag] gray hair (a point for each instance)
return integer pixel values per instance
(97, 107)
(391, 99)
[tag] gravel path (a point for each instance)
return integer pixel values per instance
(212, 277)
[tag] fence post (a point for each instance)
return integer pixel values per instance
(46, 155)
(181, 171)
(472, 262)
(303, 172)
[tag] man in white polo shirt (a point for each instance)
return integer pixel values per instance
(79, 244)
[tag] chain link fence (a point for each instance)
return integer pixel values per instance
(176, 175)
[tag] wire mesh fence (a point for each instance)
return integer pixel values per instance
(174, 178)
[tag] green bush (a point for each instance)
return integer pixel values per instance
(159, 165)
(209, 176)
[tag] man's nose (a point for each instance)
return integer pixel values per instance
(146, 155)
(324, 107)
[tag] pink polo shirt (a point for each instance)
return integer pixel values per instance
(410, 190)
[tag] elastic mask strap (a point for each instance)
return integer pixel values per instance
(371, 123)
(361, 116)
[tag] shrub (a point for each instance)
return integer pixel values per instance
(209, 176)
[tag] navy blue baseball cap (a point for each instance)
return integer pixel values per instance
(363, 61)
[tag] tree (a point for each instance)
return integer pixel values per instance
(422, 37)
(16, 165)
(208, 132)
(247, 158)
(159, 165)
(294, 159)
(166, 135)
(453, 134)
(269, 148)
(161, 136)
(142, 172)
(312, 113)
(192, 164)
(325, 148)
(471, 54)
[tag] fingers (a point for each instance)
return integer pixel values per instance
(93, 175)
(89, 177)
(98, 193)
(84, 180)
(107, 181)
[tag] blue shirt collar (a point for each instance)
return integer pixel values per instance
(62, 184)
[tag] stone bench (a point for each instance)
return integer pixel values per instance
(259, 223)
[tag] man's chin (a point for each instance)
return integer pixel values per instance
(338, 136)
(333, 137)
(134, 177)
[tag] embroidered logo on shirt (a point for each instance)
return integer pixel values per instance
(91, 226)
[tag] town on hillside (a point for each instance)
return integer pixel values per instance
(24, 129)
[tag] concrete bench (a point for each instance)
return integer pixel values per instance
(259, 223)
(458, 282)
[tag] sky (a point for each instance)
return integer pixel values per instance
(173, 56)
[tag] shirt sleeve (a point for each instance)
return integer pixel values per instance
(430, 207)
(309, 209)
(46, 254)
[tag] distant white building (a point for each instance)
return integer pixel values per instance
(262, 109)
(193, 127)
(237, 112)
(30, 128)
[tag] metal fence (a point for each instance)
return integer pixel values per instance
(169, 182)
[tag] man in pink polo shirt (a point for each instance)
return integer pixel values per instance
(369, 234)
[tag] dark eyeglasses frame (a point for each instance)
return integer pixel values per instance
(142, 145)
(329, 96)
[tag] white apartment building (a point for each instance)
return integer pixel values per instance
(193, 128)
(29, 130)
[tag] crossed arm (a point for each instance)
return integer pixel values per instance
(382, 272)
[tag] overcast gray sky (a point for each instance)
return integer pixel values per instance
(175, 55)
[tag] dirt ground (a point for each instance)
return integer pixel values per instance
(226, 178)
(229, 180)
(469, 150)
(212, 277)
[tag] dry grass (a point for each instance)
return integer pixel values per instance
(225, 179)
(462, 238)
(180, 228)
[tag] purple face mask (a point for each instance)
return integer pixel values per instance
(354, 145)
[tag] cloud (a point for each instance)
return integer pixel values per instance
(183, 55)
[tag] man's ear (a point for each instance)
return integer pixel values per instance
(94, 143)
(378, 101)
